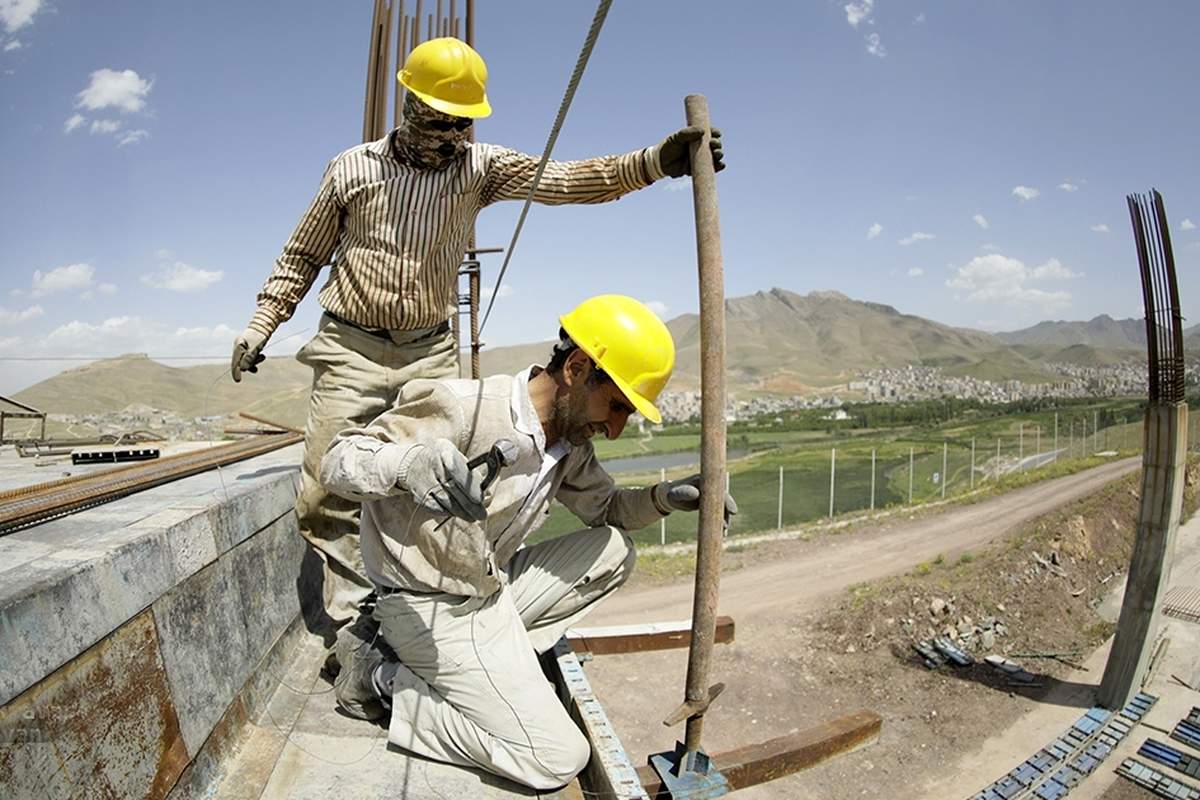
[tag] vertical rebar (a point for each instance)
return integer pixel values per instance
(368, 129)
(712, 418)
(972, 463)
(401, 55)
(1056, 436)
(470, 20)
(385, 56)
(1037, 459)
(1095, 431)
(997, 458)
(473, 288)
(1021, 447)
(439, 18)
(416, 26)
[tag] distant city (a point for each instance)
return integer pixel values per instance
(916, 383)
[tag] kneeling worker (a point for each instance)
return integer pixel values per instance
(465, 608)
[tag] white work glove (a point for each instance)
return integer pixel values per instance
(437, 476)
(247, 353)
(684, 495)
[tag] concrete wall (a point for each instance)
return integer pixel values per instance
(136, 636)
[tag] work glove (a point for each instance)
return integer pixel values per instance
(675, 152)
(247, 353)
(437, 476)
(684, 495)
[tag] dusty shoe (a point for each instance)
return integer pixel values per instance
(360, 650)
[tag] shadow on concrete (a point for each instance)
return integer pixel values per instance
(258, 473)
(1045, 688)
(310, 583)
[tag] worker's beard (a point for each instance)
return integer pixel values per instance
(422, 145)
(570, 416)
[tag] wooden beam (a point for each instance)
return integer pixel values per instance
(786, 755)
(642, 638)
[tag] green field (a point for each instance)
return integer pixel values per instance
(804, 458)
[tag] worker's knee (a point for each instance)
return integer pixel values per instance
(619, 555)
(554, 764)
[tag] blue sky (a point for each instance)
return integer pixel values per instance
(966, 162)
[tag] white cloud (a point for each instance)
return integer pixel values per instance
(1187, 225)
(917, 236)
(981, 221)
(14, 317)
(875, 47)
(505, 291)
(1025, 192)
(133, 137)
(107, 288)
(74, 122)
(1101, 228)
(676, 186)
(106, 126)
(1053, 270)
(125, 91)
(990, 248)
(919, 19)
(915, 272)
(15, 44)
(999, 279)
(859, 12)
(16, 14)
(874, 230)
(658, 307)
(62, 279)
(1067, 186)
(180, 277)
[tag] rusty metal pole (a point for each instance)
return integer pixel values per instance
(470, 22)
(712, 420)
(372, 58)
(473, 284)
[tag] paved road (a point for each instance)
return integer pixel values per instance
(833, 563)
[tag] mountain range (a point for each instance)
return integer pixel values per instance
(777, 341)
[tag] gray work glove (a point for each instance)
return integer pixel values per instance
(674, 154)
(247, 353)
(437, 476)
(684, 495)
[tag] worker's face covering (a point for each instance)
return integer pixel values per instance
(429, 139)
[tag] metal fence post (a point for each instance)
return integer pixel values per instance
(1037, 458)
(662, 530)
(910, 474)
(997, 458)
(945, 447)
(872, 479)
(832, 476)
(1095, 431)
(1071, 441)
(1021, 447)
(779, 513)
(1056, 436)
(972, 463)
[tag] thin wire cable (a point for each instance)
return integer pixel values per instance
(572, 85)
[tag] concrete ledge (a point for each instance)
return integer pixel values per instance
(136, 641)
(70, 582)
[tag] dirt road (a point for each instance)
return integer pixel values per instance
(807, 570)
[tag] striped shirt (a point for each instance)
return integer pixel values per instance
(396, 235)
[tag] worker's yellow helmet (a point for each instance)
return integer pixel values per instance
(629, 342)
(448, 75)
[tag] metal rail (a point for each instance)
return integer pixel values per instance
(29, 505)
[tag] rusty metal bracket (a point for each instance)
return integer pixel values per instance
(690, 708)
(688, 774)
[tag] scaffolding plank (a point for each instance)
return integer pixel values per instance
(786, 755)
(643, 637)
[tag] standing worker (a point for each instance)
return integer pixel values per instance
(394, 217)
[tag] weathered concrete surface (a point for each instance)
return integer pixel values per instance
(216, 626)
(67, 583)
(101, 726)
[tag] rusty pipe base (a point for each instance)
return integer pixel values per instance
(688, 775)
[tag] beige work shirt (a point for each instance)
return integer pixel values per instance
(402, 545)
(396, 234)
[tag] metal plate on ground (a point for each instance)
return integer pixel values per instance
(1183, 602)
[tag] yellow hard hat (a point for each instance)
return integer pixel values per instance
(629, 342)
(449, 76)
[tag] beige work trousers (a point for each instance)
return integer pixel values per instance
(469, 690)
(356, 377)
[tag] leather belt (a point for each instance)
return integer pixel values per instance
(381, 333)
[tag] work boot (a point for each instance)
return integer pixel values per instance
(360, 650)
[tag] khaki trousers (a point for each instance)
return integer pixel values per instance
(356, 377)
(469, 689)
